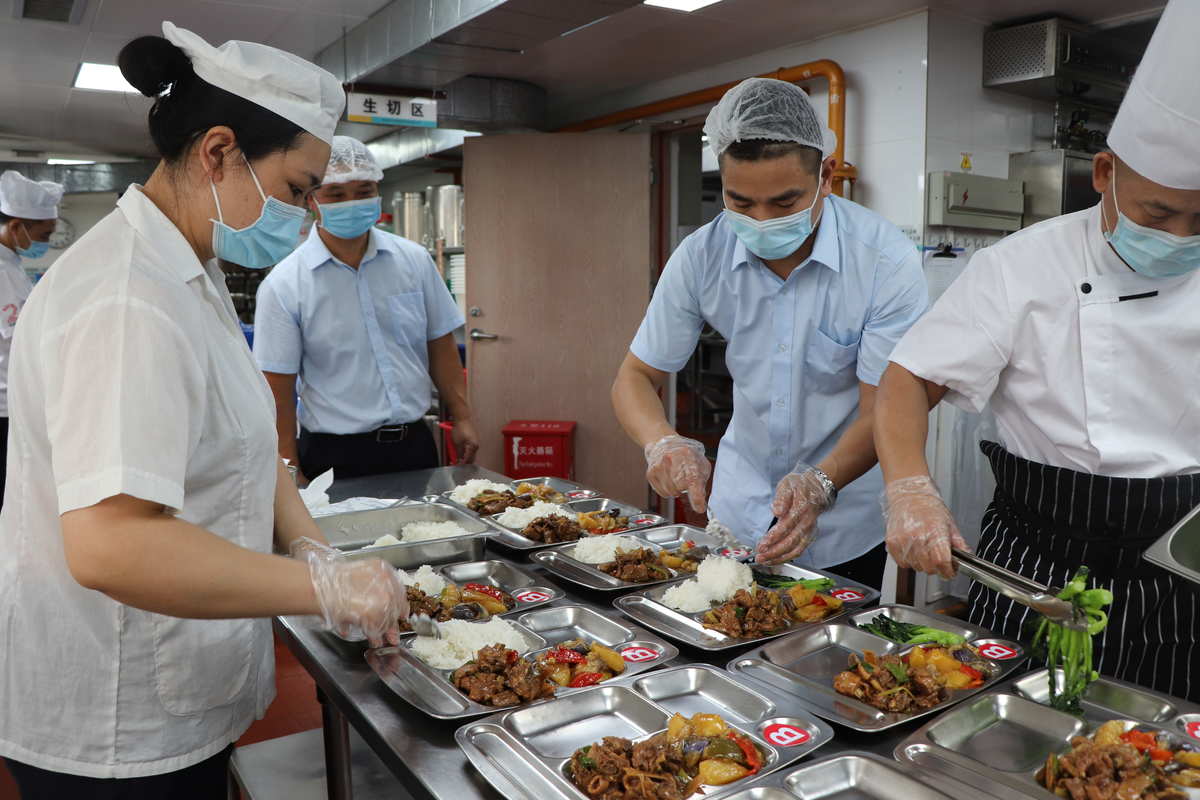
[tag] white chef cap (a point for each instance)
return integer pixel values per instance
(21, 197)
(350, 160)
(278, 81)
(764, 108)
(1157, 129)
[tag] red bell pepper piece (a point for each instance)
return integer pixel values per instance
(1142, 740)
(818, 600)
(565, 656)
(490, 591)
(1159, 754)
(753, 758)
(586, 679)
(511, 656)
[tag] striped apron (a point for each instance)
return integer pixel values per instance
(1045, 522)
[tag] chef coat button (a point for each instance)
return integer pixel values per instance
(1086, 288)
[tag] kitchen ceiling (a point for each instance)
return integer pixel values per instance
(634, 45)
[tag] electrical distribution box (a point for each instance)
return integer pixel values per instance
(962, 200)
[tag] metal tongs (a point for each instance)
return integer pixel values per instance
(423, 625)
(1029, 593)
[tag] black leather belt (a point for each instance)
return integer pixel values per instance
(391, 433)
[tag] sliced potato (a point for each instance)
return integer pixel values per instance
(1188, 759)
(708, 725)
(611, 658)
(489, 603)
(801, 595)
(957, 680)
(561, 674)
(720, 771)
(916, 658)
(1110, 732)
(451, 596)
(678, 728)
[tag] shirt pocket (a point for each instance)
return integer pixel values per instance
(406, 314)
(201, 664)
(831, 364)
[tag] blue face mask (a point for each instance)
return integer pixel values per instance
(264, 243)
(352, 218)
(1151, 252)
(34, 250)
(772, 239)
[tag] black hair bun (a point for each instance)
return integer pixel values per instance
(152, 65)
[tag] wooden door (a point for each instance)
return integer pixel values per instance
(558, 243)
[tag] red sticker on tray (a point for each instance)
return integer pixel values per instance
(848, 595)
(998, 652)
(735, 552)
(636, 655)
(531, 596)
(784, 735)
(1193, 729)
(641, 519)
(576, 494)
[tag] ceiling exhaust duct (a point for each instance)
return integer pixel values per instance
(68, 11)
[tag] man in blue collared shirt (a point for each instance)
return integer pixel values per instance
(365, 322)
(811, 292)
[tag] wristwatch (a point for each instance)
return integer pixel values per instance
(827, 482)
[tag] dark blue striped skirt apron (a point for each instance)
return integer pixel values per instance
(1045, 522)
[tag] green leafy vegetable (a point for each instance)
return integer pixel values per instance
(898, 672)
(1069, 650)
(907, 633)
(768, 581)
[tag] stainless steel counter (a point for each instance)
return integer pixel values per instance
(421, 751)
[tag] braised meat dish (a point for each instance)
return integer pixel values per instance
(750, 614)
(488, 503)
(500, 677)
(636, 566)
(553, 529)
(672, 765)
(687, 558)
(542, 492)
(1120, 764)
(472, 601)
(578, 663)
(914, 682)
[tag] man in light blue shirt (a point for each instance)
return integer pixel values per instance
(363, 319)
(811, 292)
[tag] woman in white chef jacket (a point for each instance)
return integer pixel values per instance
(136, 574)
(1082, 333)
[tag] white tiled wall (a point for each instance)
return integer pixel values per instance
(885, 105)
(962, 115)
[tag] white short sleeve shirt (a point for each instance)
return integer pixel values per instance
(130, 375)
(15, 287)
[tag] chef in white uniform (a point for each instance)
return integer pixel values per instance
(28, 213)
(1082, 335)
(136, 573)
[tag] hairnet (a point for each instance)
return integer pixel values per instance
(764, 108)
(350, 160)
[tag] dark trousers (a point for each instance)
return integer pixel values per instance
(357, 454)
(3, 456)
(867, 569)
(204, 781)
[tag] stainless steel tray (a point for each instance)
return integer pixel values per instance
(571, 489)
(559, 561)
(858, 775)
(514, 540)
(646, 607)
(996, 743)
(430, 691)
(1178, 550)
(352, 533)
(1107, 698)
(805, 664)
(524, 753)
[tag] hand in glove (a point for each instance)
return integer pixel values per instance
(799, 499)
(676, 465)
(920, 529)
(359, 599)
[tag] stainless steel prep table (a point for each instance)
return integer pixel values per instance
(419, 750)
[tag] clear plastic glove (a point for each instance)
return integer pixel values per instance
(920, 529)
(799, 499)
(677, 465)
(359, 599)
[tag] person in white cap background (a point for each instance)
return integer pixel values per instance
(146, 492)
(28, 213)
(1082, 334)
(811, 292)
(366, 322)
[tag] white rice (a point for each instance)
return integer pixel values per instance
(384, 541)
(424, 579)
(461, 640)
(602, 549)
(717, 580)
(424, 531)
(518, 518)
(475, 487)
